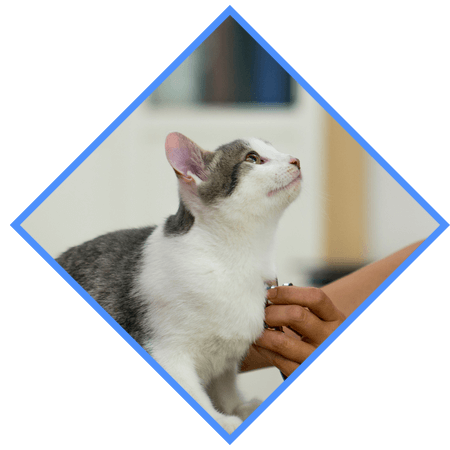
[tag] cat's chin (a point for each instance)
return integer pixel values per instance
(291, 188)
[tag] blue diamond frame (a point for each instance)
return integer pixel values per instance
(17, 224)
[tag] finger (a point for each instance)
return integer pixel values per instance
(287, 346)
(312, 298)
(293, 333)
(300, 320)
(284, 365)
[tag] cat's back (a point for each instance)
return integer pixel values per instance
(107, 267)
(105, 257)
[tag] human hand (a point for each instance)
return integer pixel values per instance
(307, 316)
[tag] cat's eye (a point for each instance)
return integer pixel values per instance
(253, 157)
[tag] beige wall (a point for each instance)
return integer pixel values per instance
(345, 239)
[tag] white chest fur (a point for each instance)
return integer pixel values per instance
(206, 296)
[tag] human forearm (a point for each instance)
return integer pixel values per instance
(349, 292)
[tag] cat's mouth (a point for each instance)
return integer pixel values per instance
(295, 181)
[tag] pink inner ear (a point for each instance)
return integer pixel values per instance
(184, 155)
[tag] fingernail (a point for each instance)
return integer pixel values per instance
(272, 293)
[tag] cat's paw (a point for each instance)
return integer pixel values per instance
(245, 409)
(229, 423)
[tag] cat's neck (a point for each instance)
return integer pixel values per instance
(252, 231)
(237, 238)
(253, 236)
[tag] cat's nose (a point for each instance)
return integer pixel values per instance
(295, 162)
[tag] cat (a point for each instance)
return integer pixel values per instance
(191, 291)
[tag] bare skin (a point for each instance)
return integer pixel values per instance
(309, 315)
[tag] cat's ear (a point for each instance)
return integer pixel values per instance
(186, 158)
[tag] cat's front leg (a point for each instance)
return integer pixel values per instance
(226, 396)
(182, 369)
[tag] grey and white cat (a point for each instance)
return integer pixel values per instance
(191, 291)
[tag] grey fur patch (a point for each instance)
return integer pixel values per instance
(225, 171)
(106, 267)
(225, 168)
(179, 223)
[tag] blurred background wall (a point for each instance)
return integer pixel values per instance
(350, 211)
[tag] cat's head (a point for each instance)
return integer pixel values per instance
(244, 178)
